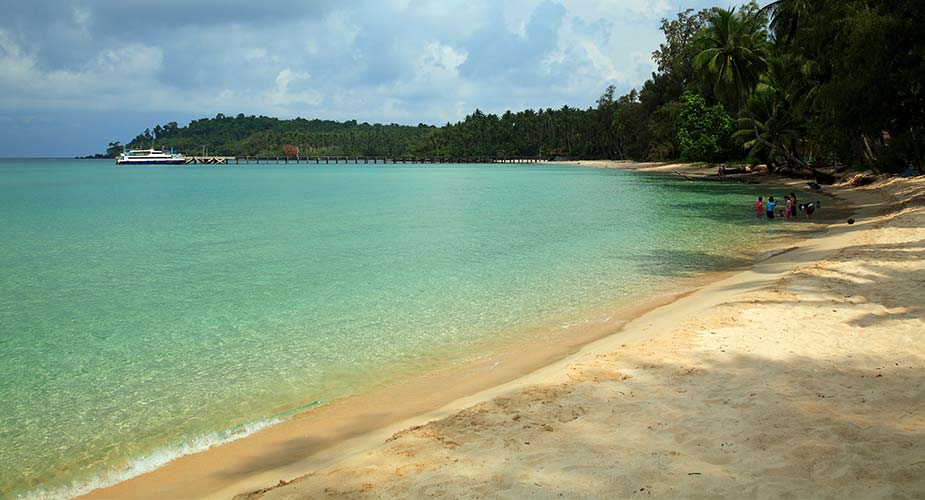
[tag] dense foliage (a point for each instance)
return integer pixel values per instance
(794, 85)
(260, 135)
(704, 132)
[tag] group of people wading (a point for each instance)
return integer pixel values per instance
(789, 209)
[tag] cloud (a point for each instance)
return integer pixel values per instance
(385, 61)
(100, 83)
(495, 53)
(282, 98)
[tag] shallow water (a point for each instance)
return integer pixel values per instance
(148, 312)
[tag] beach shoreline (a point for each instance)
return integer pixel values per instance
(799, 377)
(689, 169)
(350, 436)
(344, 427)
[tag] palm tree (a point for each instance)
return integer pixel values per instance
(785, 17)
(771, 132)
(732, 51)
(774, 127)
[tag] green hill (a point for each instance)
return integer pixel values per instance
(260, 135)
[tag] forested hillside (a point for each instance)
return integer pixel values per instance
(261, 135)
(795, 84)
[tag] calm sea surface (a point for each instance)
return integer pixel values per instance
(149, 312)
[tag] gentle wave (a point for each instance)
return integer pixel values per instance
(162, 457)
(343, 280)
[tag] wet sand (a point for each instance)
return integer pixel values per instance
(338, 429)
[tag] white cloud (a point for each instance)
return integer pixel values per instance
(101, 84)
(602, 64)
(16, 65)
(255, 54)
(131, 62)
(608, 9)
(387, 61)
(81, 17)
(286, 101)
(439, 58)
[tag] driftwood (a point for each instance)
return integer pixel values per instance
(861, 179)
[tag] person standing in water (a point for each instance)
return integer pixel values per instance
(793, 205)
(809, 208)
(771, 205)
(759, 207)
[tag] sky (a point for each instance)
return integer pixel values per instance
(77, 74)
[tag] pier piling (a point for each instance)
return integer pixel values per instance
(385, 160)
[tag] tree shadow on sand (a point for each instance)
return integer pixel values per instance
(736, 426)
(299, 448)
(840, 418)
(878, 279)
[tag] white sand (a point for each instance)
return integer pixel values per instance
(802, 377)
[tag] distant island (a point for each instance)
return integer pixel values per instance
(758, 85)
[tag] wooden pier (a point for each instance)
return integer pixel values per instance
(354, 160)
(210, 160)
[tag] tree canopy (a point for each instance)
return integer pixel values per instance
(260, 135)
(794, 85)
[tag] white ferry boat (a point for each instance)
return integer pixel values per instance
(149, 157)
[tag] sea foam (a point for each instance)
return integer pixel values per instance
(157, 459)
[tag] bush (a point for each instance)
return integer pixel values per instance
(704, 132)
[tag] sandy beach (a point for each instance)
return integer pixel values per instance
(479, 250)
(799, 377)
(688, 170)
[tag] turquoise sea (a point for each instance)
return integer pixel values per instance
(149, 312)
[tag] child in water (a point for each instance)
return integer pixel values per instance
(771, 204)
(809, 208)
(759, 207)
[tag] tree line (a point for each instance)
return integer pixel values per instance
(794, 85)
(261, 135)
